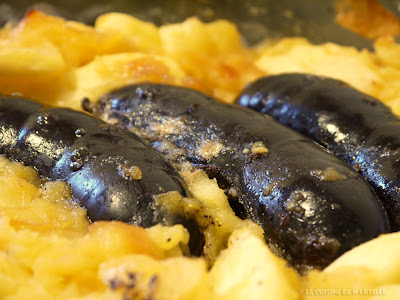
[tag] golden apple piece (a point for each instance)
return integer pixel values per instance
(143, 277)
(142, 36)
(247, 269)
(107, 72)
(379, 255)
(78, 43)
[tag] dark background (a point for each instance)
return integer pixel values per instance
(256, 19)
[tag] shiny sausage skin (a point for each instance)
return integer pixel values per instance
(273, 171)
(95, 159)
(354, 126)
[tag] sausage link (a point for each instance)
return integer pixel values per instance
(312, 206)
(113, 173)
(354, 126)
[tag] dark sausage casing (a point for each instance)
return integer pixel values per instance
(99, 161)
(354, 126)
(279, 176)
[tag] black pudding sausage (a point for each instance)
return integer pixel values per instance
(312, 206)
(354, 126)
(112, 172)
